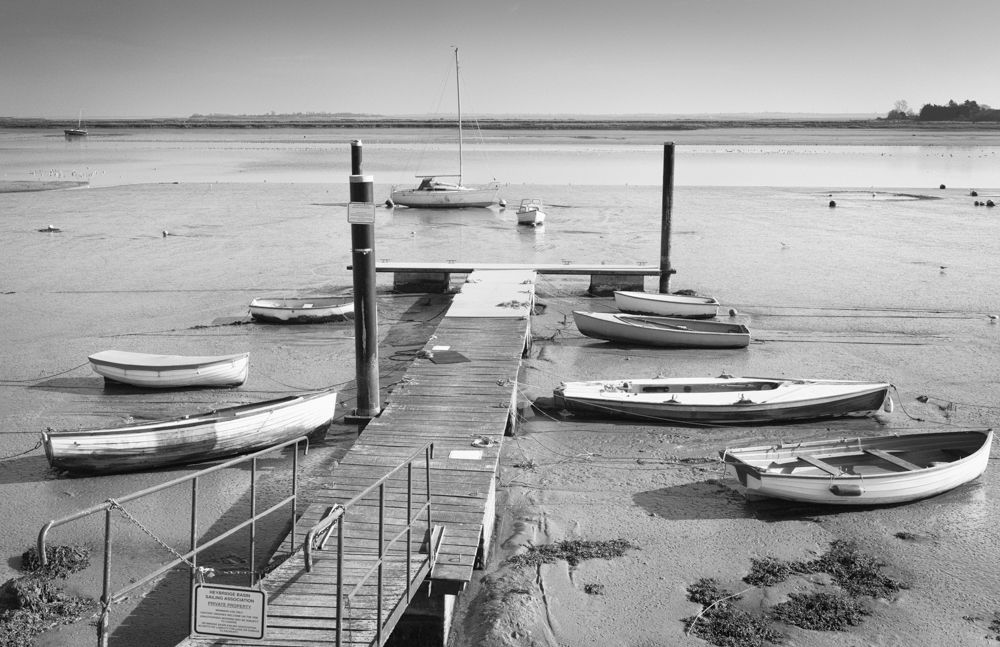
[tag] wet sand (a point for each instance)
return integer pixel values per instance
(662, 488)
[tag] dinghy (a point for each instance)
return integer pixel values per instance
(861, 471)
(666, 305)
(302, 310)
(721, 400)
(644, 330)
(530, 212)
(190, 439)
(170, 371)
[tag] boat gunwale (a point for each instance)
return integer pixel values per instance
(192, 362)
(984, 445)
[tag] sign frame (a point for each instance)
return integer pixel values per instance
(228, 611)
(361, 213)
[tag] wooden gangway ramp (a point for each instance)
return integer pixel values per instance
(459, 394)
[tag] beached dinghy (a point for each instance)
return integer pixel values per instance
(302, 310)
(190, 439)
(645, 330)
(530, 212)
(170, 371)
(721, 400)
(666, 305)
(862, 471)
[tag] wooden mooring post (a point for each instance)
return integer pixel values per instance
(362, 219)
(667, 208)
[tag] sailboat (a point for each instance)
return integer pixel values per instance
(79, 131)
(432, 193)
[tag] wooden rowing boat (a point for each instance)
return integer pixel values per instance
(721, 400)
(645, 330)
(862, 471)
(189, 439)
(666, 305)
(302, 310)
(170, 371)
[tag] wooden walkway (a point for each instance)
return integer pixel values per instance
(460, 394)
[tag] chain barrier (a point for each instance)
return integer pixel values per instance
(201, 572)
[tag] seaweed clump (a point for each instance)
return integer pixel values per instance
(34, 602)
(821, 611)
(573, 551)
(858, 575)
(722, 622)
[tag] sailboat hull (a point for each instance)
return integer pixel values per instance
(451, 198)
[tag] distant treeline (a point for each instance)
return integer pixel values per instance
(905, 119)
(968, 110)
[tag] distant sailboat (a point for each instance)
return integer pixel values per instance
(79, 131)
(431, 193)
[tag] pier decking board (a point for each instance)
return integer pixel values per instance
(458, 406)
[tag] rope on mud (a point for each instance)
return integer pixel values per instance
(687, 632)
(27, 451)
(44, 377)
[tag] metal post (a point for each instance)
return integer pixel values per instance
(668, 200)
(365, 312)
(103, 626)
(253, 520)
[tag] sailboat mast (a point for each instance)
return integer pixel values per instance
(458, 91)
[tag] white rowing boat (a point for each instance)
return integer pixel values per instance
(721, 400)
(302, 309)
(862, 471)
(189, 439)
(170, 371)
(645, 330)
(666, 305)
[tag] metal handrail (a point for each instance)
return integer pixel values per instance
(108, 598)
(337, 515)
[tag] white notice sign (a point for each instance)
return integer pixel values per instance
(228, 611)
(361, 213)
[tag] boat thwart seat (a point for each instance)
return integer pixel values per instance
(896, 460)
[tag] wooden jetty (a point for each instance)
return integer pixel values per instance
(460, 395)
(419, 276)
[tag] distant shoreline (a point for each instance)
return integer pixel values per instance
(520, 123)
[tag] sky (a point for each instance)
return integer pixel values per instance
(176, 58)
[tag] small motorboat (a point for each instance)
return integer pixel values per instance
(302, 309)
(530, 212)
(170, 371)
(645, 330)
(666, 305)
(861, 471)
(189, 439)
(721, 400)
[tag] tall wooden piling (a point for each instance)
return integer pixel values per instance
(365, 312)
(665, 213)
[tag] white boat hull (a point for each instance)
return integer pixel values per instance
(666, 305)
(456, 198)
(302, 310)
(170, 371)
(530, 212)
(191, 439)
(674, 332)
(722, 400)
(862, 471)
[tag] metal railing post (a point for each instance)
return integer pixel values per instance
(340, 583)
(253, 517)
(193, 572)
(409, 525)
(106, 592)
(381, 555)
